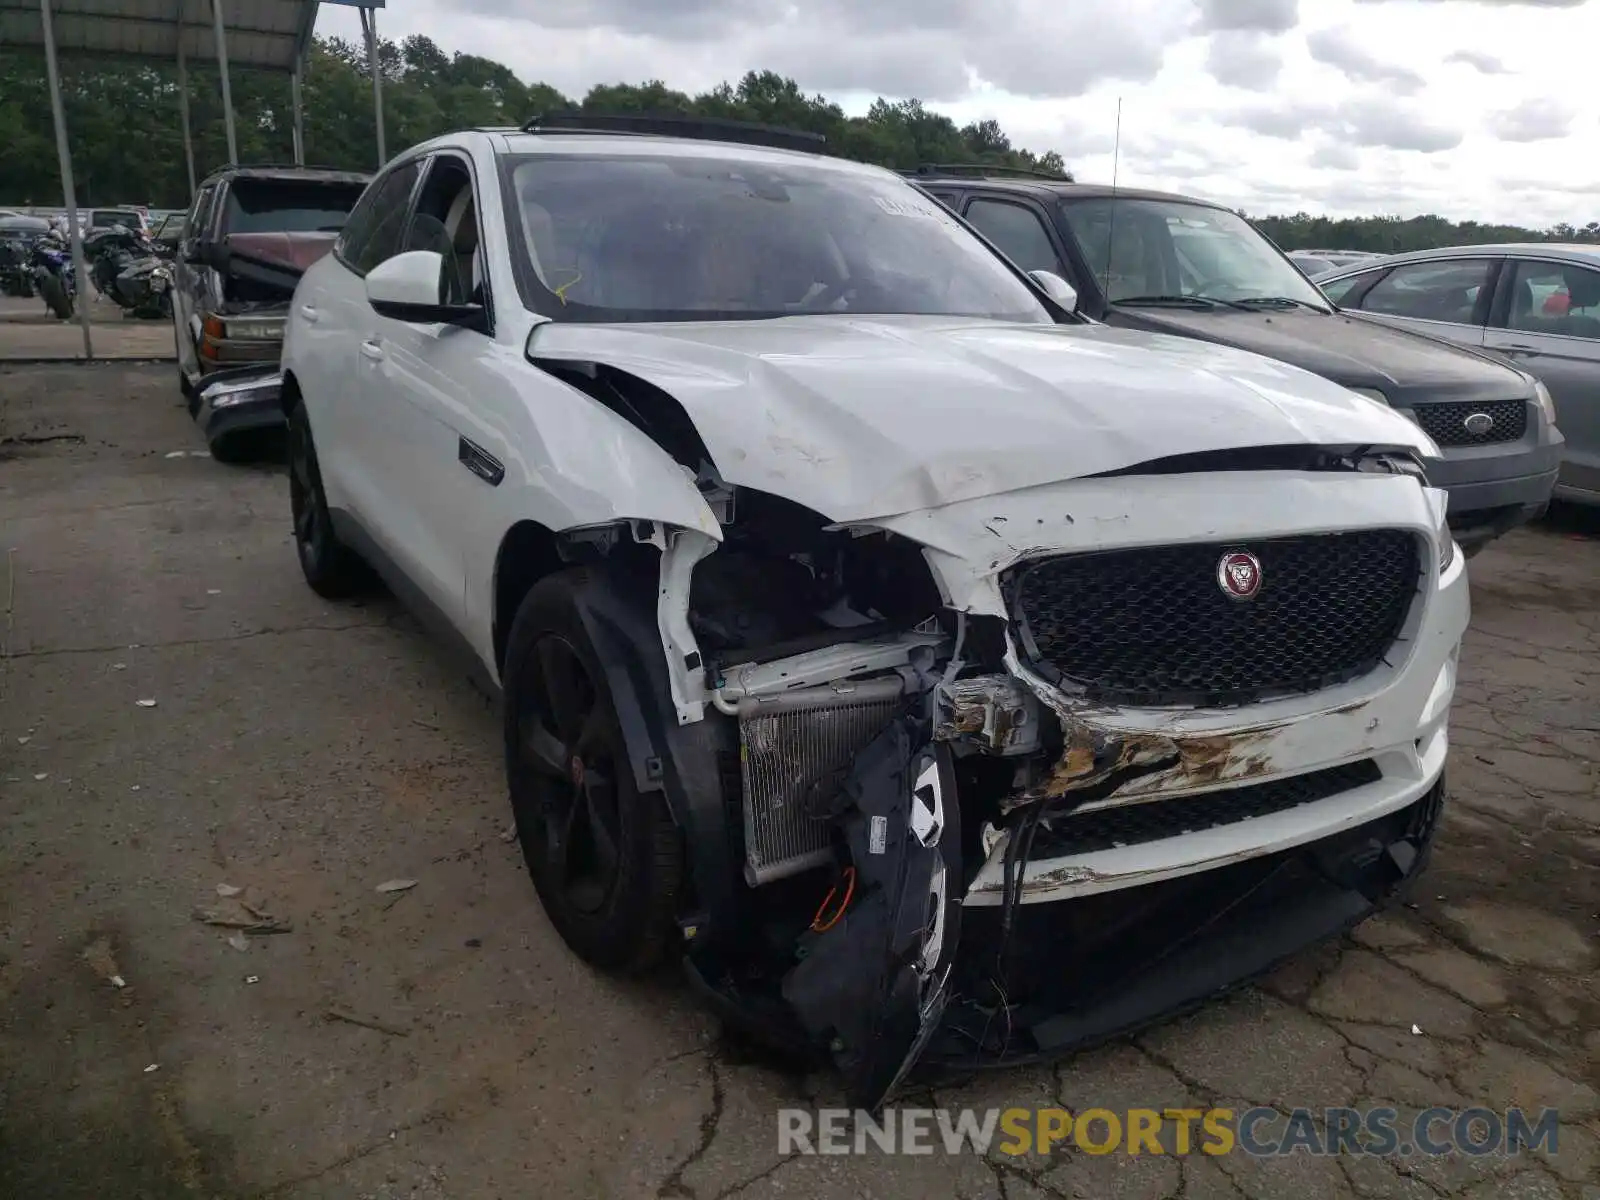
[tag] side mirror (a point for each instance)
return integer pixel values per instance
(410, 287)
(1057, 288)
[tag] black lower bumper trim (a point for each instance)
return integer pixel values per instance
(1077, 979)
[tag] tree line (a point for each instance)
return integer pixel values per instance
(127, 144)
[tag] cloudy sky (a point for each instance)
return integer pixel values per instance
(1470, 108)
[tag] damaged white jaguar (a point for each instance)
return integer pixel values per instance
(941, 678)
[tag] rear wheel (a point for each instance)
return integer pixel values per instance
(331, 568)
(605, 858)
(55, 297)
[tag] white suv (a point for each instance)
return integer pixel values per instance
(937, 674)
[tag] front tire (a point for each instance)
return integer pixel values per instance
(605, 858)
(331, 568)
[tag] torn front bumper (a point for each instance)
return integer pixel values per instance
(1212, 786)
(1105, 965)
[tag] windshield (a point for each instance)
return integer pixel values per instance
(661, 238)
(289, 206)
(1145, 248)
(102, 218)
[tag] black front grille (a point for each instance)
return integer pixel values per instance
(1153, 820)
(1153, 626)
(1447, 423)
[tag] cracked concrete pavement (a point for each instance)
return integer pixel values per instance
(309, 751)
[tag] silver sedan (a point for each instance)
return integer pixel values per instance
(1535, 303)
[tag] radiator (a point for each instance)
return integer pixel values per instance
(794, 753)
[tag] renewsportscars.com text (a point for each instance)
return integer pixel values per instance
(1259, 1132)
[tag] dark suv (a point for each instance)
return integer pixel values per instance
(249, 235)
(1172, 264)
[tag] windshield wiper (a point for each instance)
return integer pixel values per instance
(1191, 301)
(1278, 302)
(1180, 301)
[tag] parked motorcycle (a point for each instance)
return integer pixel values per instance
(126, 269)
(15, 277)
(50, 263)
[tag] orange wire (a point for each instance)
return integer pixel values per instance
(817, 923)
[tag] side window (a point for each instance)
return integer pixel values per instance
(1559, 298)
(1337, 289)
(372, 234)
(1430, 291)
(446, 222)
(1017, 231)
(196, 224)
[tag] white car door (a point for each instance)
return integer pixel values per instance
(329, 318)
(416, 382)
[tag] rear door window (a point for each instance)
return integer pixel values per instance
(1558, 298)
(1430, 291)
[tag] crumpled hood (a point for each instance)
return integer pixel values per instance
(861, 417)
(1349, 349)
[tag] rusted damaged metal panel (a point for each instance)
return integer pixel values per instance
(1105, 760)
(995, 712)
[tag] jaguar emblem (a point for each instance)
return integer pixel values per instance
(1478, 423)
(1239, 575)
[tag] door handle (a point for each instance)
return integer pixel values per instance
(373, 349)
(309, 312)
(480, 462)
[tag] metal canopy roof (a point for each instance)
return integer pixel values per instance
(269, 34)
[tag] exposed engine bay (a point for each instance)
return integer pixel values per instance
(888, 765)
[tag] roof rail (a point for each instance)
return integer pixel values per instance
(979, 168)
(285, 166)
(714, 129)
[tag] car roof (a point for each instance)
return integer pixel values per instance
(1574, 252)
(286, 171)
(580, 143)
(1065, 189)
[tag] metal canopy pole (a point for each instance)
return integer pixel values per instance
(227, 92)
(299, 116)
(183, 108)
(369, 26)
(70, 193)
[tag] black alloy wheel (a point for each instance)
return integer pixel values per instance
(573, 764)
(332, 569)
(605, 856)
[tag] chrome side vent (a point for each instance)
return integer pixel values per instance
(794, 752)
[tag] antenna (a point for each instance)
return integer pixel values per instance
(1111, 223)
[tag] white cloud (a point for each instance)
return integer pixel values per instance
(1538, 119)
(1383, 106)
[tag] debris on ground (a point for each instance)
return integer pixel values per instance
(396, 885)
(100, 959)
(239, 941)
(245, 914)
(41, 776)
(153, 1067)
(509, 833)
(252, 979)
(145, 703)
(339, 1013)
(227, 889)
